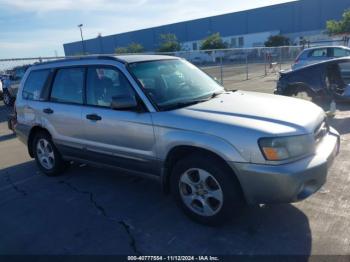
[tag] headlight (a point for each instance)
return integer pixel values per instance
(283, 148)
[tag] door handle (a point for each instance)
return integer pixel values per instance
(48, 111)
(93, 117)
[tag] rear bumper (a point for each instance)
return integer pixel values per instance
(22, 132)
(266, 184)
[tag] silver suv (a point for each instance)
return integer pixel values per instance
(214, 150)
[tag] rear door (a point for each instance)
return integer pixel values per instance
(61, 115)
(122, 138)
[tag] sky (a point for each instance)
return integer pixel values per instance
(31, 28)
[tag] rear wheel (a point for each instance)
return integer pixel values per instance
(206, 189)
(47, 157)
(303, 95)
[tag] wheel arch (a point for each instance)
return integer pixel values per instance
(33, 131)
(295, 87)
(182, 151)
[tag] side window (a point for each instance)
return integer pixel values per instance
(105, 83)
(345, 71)
(319, 53)
(34, 84)
(68, 86)
(339, 52)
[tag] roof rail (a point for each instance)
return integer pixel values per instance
(72, 59)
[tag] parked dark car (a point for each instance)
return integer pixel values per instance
(323, 81)
(10, 88)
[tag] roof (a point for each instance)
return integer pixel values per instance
(143, 58)
(325, 46)
(329, 61)
(125, 59)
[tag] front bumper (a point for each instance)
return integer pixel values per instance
(287, 183)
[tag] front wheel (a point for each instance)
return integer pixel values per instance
(47, 157)
(206, 189)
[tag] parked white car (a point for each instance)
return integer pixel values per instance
(318, 54)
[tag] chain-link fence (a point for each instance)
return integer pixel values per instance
(228, 66)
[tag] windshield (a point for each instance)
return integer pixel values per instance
(174, 83)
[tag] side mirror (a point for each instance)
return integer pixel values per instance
(124, 102)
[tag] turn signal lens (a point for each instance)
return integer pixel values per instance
(271, 153)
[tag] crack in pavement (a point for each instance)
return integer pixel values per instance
(102, 211)
(14, 186)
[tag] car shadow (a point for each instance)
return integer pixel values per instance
(343, 106)
(100, 210)
(7, 137)
(342, 125)
(341, 122)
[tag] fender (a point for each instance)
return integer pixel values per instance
(171, 138)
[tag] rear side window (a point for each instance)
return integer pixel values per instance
(34, 84)
(68, 86)
(340, 52)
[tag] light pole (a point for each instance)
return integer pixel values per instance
(82, 39)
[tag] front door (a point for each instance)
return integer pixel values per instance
(122, 138)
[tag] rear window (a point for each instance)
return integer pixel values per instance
(34, 85)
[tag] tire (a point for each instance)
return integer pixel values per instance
(8, 100)
(46, 155)
(206, 189)
(304, 95)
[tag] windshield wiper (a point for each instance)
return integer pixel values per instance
(183, 104)
(191, 102)
(217, 93)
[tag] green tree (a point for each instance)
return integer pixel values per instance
(121, 50)
(213, 41)
(130, 49)
(135, 48)
(339, 27)
(169, 43)
(277, 40)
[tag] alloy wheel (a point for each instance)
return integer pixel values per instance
(45, 153)
(201, 192)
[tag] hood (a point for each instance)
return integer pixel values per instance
(266, 113)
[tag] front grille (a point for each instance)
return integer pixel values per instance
(321, 130)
